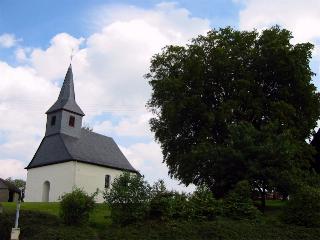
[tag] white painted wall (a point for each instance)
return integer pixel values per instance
(90, 177)
(60, 176)
(64, 176)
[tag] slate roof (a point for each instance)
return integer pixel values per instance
(66, 99)
(92, 148)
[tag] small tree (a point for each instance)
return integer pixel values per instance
(160, 201)
(76, 206)
(238, 203)
(303, 208)
(203, 205)
(128, 198)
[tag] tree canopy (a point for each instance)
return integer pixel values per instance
(234, 105)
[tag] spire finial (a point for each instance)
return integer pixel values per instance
(71, 55)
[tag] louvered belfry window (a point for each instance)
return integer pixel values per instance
(53, 120)
(71, 121)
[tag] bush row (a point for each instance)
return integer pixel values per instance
(132, 199)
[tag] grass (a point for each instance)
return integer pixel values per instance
(41, 221)
(98, 218)
(275, 203)
(50, 208)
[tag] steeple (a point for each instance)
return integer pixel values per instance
(65, 116)
(66, 99)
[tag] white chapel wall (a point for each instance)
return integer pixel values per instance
(90, 177)
(60, 176)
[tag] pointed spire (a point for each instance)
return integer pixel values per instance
(66, 99)
(67, 90)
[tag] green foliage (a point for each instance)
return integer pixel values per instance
(180, 206)
(168, 205)
(128, 198)
(238, 203)
(76, 206)
(35, 225)
(203, 205)
(19, 183)
(224, 229)
(229, 86)
(303, 208)
(5, 226)
(160, 202)
(40, 225)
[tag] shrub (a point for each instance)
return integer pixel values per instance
(203, 205)
(128, 198)
(76, 206)
(5, 226)
(160, 201)
(179, 206)
(238, 204)
(170, 205)
(303, 208)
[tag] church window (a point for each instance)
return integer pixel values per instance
(53, 120)
(107, 181)
(71, 121)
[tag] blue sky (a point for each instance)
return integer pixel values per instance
(36, 21)
(113, 42)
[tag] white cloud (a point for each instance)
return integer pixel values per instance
(134, 126)
(51, 63)
(12, 168)
(147, 158)
(119, 55)
(21, 54)
(299, 16)
(23, 98)
(108, 70)
(7, 40)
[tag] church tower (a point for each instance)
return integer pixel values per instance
(65, 116)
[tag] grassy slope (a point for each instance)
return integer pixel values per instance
(40, 221)
(97, 218)
(51, 208)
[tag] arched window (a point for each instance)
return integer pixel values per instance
(107, 181)
(45, 191)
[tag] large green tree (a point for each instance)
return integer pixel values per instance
(234, 105)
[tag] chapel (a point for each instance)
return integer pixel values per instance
(72, 156)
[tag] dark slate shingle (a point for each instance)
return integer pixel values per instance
(66, 99)
(90, 148)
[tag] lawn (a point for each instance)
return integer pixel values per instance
(50, 208)
(41, 221)
(98, 217)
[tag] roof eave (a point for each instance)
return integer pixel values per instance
(77, 160)
(68, 110)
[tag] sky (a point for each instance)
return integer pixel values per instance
(112, 43)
